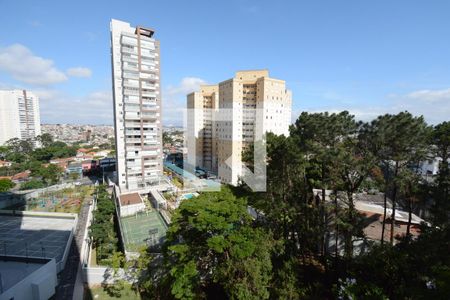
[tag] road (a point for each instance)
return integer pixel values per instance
(68, 276)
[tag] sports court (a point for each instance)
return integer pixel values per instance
(35, 236)
(145, 228)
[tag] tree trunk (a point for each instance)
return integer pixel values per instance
(394, 198)
(384, 218)
(409, 217)
(336, 234)
(349, 233)
(322, 211)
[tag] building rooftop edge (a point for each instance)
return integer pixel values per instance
(252, 70)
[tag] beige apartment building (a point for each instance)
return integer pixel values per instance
(224, 119)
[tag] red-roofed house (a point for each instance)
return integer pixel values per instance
(83, 150)
(62, 162)
(22, 176)
(4, 163)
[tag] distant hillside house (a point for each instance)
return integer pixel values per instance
(22, 176)
(4, 163)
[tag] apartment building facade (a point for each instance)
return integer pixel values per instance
(19, 115)
(239, 110)
(135, 56)
(202, 106)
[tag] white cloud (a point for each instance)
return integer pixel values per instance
(58, 107)
(434, 105)
(97, 107)
(46, 93)
(23, 65)
(9, 86)
(79, 72)
(174, 99)
(430, 96)
(186, 86)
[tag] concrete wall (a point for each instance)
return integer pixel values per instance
(129, 210)
(38, 285)
(94, 275)
(11, 199)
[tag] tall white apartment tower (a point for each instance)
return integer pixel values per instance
(137, 106)
(19, 115)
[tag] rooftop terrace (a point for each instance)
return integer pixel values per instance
(42, 235)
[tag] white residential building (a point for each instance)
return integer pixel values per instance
(19, 115)
(137, 106)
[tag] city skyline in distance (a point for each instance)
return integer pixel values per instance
(370, 58)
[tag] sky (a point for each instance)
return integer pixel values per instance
(367, 57)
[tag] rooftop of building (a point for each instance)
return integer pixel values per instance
(130, 199)
(21, 175)
(260, 72)
(75, 165)
(251, 76)
(89, 161)
(35, 234)
(374, 227)
(148, 32)
(84, 150)
(372, 206)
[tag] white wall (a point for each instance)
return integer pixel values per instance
(38, 285)
(131, 209)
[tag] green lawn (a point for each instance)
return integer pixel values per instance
(98, 293)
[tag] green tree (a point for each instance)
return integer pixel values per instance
(44, 140)
(114, 283)
(20, 146)
(399, 141)
(42, 154)
(441, 142)
(50, 174)
(32, 184)
(319, 135)
(102, 229)
(6, 185)
(290, 212)
(167, 138)
(211, 245)
(352, 164)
